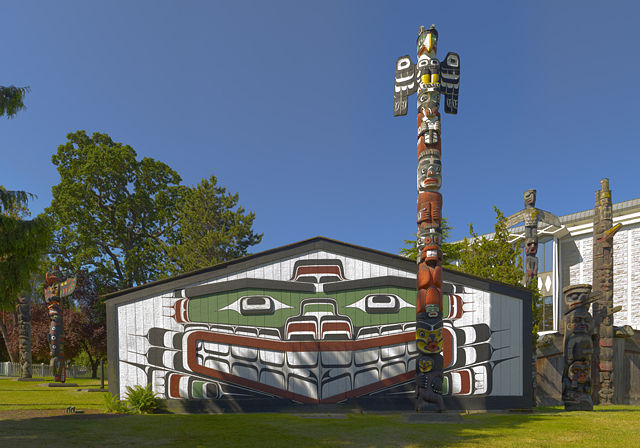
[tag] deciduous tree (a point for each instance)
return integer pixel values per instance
(112, 211)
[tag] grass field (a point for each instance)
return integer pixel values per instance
(613, 426)
(21, 395)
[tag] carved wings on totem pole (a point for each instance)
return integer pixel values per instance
(58, 287)
(410, 76)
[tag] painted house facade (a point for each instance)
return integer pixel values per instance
(313, 323)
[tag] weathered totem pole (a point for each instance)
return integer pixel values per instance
(578, 348)
(57, 288)
(430, 78)
(530, 237)
(603, 232)
(24, 334)
(531, 216)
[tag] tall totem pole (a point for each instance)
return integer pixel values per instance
(430, 78)
(57, 288)
(603, 232)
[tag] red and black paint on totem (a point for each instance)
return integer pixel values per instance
(57, 288)
(430, 78)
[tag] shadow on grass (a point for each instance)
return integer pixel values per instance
(272, 430)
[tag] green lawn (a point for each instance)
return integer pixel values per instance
(29, 395)
(611, 426)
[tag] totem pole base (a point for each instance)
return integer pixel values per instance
(581, 404)
(427, 407)
(59, 385)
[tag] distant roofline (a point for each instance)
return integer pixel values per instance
(572, 219)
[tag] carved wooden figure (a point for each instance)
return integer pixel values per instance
(57, 288)
(603, 233)
(578, 348)
(430, 78)
(24, 335)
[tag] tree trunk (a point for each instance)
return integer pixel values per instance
(5, 338)
(94, 369)
(24, 334)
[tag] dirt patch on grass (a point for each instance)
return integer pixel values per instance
(23, 414)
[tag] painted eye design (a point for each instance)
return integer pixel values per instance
(256, 305)
(380, 304)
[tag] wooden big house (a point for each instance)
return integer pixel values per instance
(317, 323)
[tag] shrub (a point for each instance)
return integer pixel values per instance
(142, 400)
(114, 405)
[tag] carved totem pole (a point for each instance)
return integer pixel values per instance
(24, 334)
(603, 232)
(57, 288)
(578, 348)
(530, 237)
(430, 78)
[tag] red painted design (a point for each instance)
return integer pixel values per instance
(429, 213)
(429, 276)
(431, 296)
(307, 270)
(174, 386)
(290, 346)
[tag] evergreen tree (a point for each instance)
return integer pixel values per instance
(498, 259)
(212, 228)
(22, 246)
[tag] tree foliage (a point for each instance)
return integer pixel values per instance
(495, 258)
(212, 228)
(86, 329)
(129, 221)
(498, 259)
(112, 211)
(22, 245)
(40, 323)
(450, 251)
(11, 100)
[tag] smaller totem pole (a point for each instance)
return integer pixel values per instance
(530, 237)
(57, 288)
(578, 348)
(531, 216)
(24, 334)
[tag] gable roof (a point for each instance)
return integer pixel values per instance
(291, 250)
(249, 261)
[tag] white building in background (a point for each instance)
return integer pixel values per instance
(565, 258)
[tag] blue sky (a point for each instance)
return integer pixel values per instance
(289, 104)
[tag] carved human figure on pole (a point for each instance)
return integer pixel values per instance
(430, 78)
(24, 334)
(57, 288)
(603, 233)
(578, 348)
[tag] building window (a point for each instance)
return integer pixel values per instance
(546, 320)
